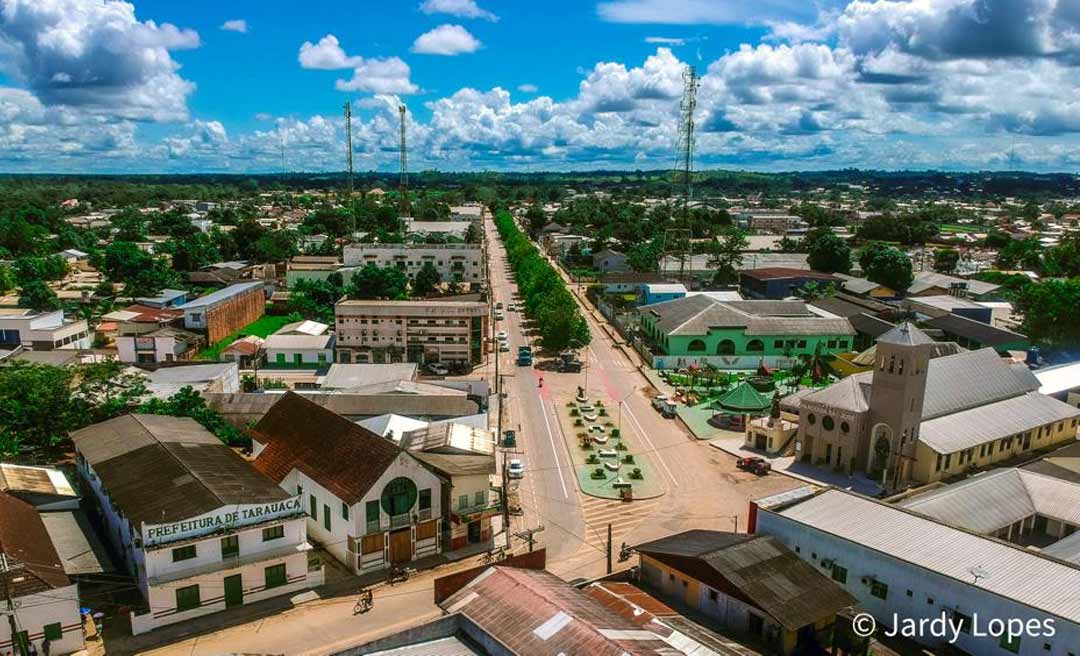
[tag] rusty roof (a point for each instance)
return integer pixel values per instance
(30, 563)
(535, 612)
(342, 456)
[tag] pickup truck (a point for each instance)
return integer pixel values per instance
(664, 406)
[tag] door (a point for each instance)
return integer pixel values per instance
(401, 546)
(756, 624)
(474, 532)
(234, 591)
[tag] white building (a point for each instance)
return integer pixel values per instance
(369, 502)
(460, 262)
(439, 330)
(199, 528)
(213, 378)
(903, 565)
(42, 331)
(165, 344)
(44, 600)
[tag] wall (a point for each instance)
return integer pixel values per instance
(34, 612)
(947, 594)
(228, 316)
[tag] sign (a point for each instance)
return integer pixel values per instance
(144, 343)
(226, 518)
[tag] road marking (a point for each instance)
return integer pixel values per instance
(654, 452)
(554, 450)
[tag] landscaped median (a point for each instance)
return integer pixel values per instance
(606, 465)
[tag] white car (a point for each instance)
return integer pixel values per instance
(511, 307)
(502, 335)
(504, 345)
(515, 469)
(498, 315)
(438, 369)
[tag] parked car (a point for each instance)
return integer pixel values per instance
(664, 406)
(498, 315)
(504, 345)
(501, 335)
(748, 462)
(511, 307)
(437, 369)
(498, 306)
(515, 469)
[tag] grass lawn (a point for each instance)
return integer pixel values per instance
(263, 326)
(954, 228)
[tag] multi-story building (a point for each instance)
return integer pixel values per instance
(198, 527)
(458, 262)
(221, 313)
(42, 331)
(436, 330)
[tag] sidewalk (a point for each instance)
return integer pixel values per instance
(800, 470)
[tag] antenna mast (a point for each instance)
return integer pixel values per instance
(403, 183)
(283, 169)
(348, 144)
(678, 241)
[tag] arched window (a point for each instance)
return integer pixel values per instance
(811, 418)
(844, 427)
(900, 370)
(696, 346)
(725, 347)
(892, 363)
(398, 497)
(755, 346)
(827, 423)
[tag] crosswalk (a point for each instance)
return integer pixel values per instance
(624, 517)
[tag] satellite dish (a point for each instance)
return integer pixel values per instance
(979, 573)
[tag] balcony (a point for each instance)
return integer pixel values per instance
(398, 521)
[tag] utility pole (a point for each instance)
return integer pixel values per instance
(13, 621)
(529, 535)
(349, 166)
(609, 548)
(403, 182)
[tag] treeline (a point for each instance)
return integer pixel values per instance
(547, 300)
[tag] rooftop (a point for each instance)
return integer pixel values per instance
(29, 563)
(698, 314)
(221, 295)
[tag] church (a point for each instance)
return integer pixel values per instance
(921, 416)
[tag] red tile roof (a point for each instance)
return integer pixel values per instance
(151, 314)
(33, 564)
(342, 456)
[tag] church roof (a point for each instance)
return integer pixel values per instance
(906, 334)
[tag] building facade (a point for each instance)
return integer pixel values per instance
(454, 262)
(43, 331)
(381, 332)
(221, 313)
(198, 527)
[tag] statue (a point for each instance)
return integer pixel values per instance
(774, 411)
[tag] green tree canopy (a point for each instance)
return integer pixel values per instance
(38, 296)
(890, 267)
(374, 282)
(828, 253)
(426, 280)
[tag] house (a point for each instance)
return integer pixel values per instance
(660, 292)
(738, 334)
(221, 313)
(198, 527)
(45, 488)
(750, 584)
(166, 298)
(931, 283)
(610, 261)
(972, 334)
(864, 287)
(437, 330)
(240, 409)
(311, 267)
(41, 601)
(630, 282)
(300, 345)
(42, 331)
(459, 262)
(164, 345)
(778, 283)
(212, 378)
(919, 418)
(222, 274)
(245, 352)
(371, 503)
(355, 376)
(899, 563)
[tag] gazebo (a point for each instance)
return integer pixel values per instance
(743, 399)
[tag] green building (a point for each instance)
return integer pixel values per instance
(699, 330)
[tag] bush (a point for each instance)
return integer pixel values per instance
(636, 474)
(602, 412)
(598, 474)
(592, 459)
(578, 422)
(628, 459)
(575, 412)
(620, 447)
(615, 432)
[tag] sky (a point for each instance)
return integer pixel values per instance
(160, 86)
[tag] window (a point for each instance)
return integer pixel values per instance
(313, 505)
(910, 593)
(480, 498)
(54, 632)
(713, 595)
(281, 358)
(827, 423)
(275, 576)
(1010, 643)
(811, 418)
(273, 532)
(844, 427)
(326, 517)
(425, 499)
(839, 574)
(230, 546)
(345, 511)
(778, 344)
(879, 589)
(183, 553)
(187, 598)
(463, 501)
(940, 459)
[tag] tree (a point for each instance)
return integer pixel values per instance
(188, 403)
(535, 218)
(946, 259)
(473, 234)
(49, 267)
(725, 255)
(109, 389)
(141, 273)
(869, 252)
(1051, 311)
(7, 279)
(374, 282)
(38, 296)
(829, 253)
(276, 246)
(426, 280)
(192, 253)
(36, 408)
(644, 257)
(890, 267)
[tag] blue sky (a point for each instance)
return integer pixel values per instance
(164, 86)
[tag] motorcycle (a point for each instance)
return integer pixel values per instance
(397, 574)
(364, 602)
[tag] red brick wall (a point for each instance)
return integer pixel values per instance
(234, 314)
(446, 586)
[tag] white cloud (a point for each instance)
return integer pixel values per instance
(446, 40)
(236, 25)
(326, 55)
(528, 88)
(263, 116)
(697, 12)
(379, 75)
(665, 40)
(96, 56)
(459, 8)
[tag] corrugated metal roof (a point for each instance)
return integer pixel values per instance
(696, 315)
(970, 379)
(1012, 572)
(984, 423)
(220, 295)
(927, 279)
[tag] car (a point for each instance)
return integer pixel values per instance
(511, 307)
(761, 468)
(515, 469)
(498, 306)
(437, 369)
(748, 462)
(498, 315)
(502, 335)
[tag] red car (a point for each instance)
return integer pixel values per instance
(754, 464)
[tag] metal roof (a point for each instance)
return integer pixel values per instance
(905, 334)
(978, 425)
(971, 379)
(348, 376)
(696, 315)
(279, 342)
(1014, 573)
(220, 295)
(29, 563)
(983, 333)
(928, 279)
(240, 408)
(76, 543)
(992, 501)
(1053, 380)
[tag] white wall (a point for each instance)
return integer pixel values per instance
(34, 612)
